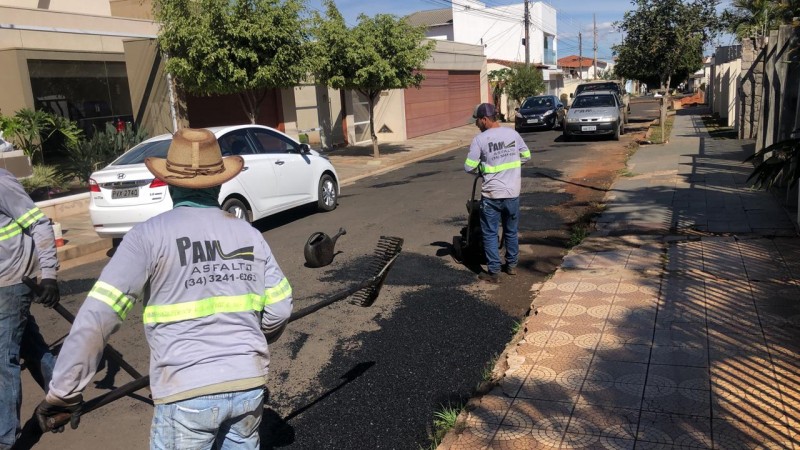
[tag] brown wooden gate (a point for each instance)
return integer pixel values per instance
(222, 110)
(445, 100)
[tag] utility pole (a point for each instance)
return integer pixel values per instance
(580, 55)
(594, 25)
(527, 21)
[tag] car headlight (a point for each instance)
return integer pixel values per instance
(607, 119)
(548, 113)
(573, 120)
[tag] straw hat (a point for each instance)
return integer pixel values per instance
(194, 161)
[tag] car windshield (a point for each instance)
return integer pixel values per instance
(598, 87)
(137, 154)
(538, 102)
(594, 101)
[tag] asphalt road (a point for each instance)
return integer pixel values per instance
(349, 377)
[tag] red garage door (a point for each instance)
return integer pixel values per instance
(445, 100)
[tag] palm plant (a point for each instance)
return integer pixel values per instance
(755, 18)
(779, 166)
(30, 130)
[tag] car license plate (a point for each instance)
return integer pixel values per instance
(125, 193)
(589, 128)
(533, 120)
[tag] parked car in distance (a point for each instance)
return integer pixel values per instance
(607, 85)
(541, 111)
(279, 173)
(595, 113)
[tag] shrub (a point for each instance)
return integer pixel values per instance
(34, 130)
(102, 148)
(45, 181)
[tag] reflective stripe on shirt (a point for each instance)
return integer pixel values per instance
(471, 163)
(507, 166)
(10, 231)
(525, 154)
(215, 305)
(112, 297)
(30, 217)
(277, 293)
(203, 308)
(24, 221)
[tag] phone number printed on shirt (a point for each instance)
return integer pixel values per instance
(218, 278)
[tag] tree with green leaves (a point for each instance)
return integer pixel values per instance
(498, 80)
(379, 53)
(524, 81)
(243, 47)
(755, 18)
(664, 39)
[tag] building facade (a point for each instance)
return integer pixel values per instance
(97, 61)
(500, 30)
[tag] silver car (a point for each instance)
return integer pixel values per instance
(595, 113)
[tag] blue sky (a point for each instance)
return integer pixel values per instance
(574, 16)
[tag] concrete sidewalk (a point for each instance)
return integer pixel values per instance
(352, 164)
(675, 325)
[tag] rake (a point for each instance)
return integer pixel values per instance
(364, 294)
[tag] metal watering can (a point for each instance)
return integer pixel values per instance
(319, 248)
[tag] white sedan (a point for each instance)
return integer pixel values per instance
(279, 173)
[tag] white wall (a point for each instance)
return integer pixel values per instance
(726, 79)
(93, 7)
(500, 36)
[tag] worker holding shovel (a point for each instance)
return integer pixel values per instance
(27, 245)
(213, 296)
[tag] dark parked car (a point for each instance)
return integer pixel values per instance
(541, 111)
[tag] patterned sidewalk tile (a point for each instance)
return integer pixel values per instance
(684, 355)
(611, 394)
(633, 353)
(677, 430)
(735, 434)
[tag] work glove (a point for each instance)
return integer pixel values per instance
(52, 417)
(49, 295)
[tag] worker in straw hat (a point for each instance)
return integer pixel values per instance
(213, 297)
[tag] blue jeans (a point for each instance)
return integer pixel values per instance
(220, 421)
(493, 213)
(20, 339)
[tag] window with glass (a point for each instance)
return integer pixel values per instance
(92, 93)
(274, 142)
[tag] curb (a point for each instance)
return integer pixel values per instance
(68, 251)
(401, 162)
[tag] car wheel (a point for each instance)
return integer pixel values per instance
(238, 209)
(617, 132)
(327, 193)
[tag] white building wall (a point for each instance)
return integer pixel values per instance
(500, 29)
(91, 7)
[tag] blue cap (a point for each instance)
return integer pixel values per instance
(484, 110)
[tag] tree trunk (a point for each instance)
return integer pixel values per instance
(665, 101)
(372, 96)
(251, 103)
